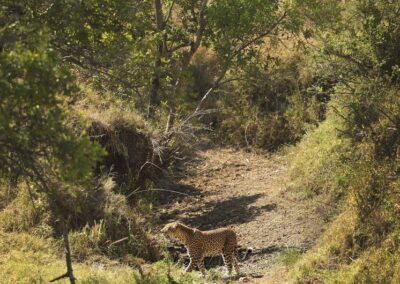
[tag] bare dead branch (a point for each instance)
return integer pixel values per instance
(65, 275)
(161, 189)
(391, 119)
(119, 241)
(338, 113)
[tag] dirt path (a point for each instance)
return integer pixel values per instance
(248, 192)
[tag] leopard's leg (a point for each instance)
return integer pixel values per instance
(201, 266)
(196, 258)
(227, 257)
(189, 268)
(192, 263)
(236, 264)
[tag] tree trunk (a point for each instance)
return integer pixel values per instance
(155, 87)
(171, 119)
(186, 58)
(155, 82)
(68, 260)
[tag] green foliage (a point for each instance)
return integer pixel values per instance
(380, 30)
(118, 45)
(238, 27)
(105, 39)
(317, 15)
(34, 137)
(364, 55)
(274, 104)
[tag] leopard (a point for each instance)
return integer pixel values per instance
(200, 244)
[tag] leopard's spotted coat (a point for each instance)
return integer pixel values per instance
(200, 244)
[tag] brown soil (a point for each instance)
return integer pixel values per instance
(250, 193)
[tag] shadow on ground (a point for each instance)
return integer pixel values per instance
(178, 254)
(217, 214)
(173, 193)
(170, 189)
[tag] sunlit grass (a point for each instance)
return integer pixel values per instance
(28, 259)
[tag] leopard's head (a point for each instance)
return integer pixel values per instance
(173, 230)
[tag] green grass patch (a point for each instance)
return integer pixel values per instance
(289, 257)
(28, 259)
(25, 258)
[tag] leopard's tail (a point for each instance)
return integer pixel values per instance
(243, 251)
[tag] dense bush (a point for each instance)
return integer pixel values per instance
(274, 104)
(368, 106)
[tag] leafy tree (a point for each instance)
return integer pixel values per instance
(147, 46)
(231, 29)
(142, 50)
(36, 141)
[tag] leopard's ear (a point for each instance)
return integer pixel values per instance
(174, 225)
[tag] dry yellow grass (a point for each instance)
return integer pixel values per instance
(28, 259)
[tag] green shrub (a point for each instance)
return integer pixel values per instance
(273, 105)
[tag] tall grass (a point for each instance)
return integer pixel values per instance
(316, 165)
(353, 159)
(25, 258)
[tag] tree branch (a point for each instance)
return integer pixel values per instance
(261, 36)
(171, 7)
(182, 45)
(195, 44)
(201, 26)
